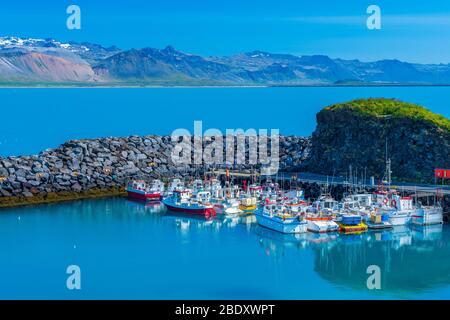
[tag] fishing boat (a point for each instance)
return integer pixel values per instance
(349, 205)
(326, 204)
(321, 224)
(229, 207)
(270, 189)
(254, 190)
(197, 186)
(320, 215)
(176, 184)
(427, 216)
(378, 221)
(296, 205)
(295, 195)
(320, 221)
(214, 186)
(225, 200)
(141, 190)
(400, 209)
(351, 223)
(184, 201)
(277, 217)
(364, 200)
(248, 204)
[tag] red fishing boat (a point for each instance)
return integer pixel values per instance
(141, 190)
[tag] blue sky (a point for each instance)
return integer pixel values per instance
(415, 31)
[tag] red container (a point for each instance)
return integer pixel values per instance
(442, 173)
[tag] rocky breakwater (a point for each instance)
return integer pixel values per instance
(362, 133)
(102, 167)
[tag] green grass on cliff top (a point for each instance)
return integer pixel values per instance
(394, 108)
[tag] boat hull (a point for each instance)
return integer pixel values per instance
(227, 210)
(399, 219)
(144, 196)
(288, 226)
(190, 209)
(378, 226)
(358, 228)
(247, 209)
(428, 217)
(322, 226)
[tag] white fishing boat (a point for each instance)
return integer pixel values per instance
(254, 190)
(141, 190)
(197, 186)
(215, 188)
(321, 225)
(363, 199)
(295, 205)
(270, 190)
(326, 204)
(361, 204)
(349, 205)
(229, 207)
(400, 209)
(378, 220)
(428, 215)
(175, 184)
(295, 194)
(321, 213)
(277, 217)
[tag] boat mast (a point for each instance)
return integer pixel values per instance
(388, 174)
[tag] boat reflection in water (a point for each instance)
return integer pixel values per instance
(427, 233)
(146, 207)
(275, 243)
(186, 222)
(411, 261)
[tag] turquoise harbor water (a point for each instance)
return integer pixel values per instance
(128, 250)
(36, 119)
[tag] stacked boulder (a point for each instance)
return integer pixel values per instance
(82, 165)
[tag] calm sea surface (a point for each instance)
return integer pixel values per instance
(36, 119)
(128, 250)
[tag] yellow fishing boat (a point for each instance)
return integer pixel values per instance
(248, 204)
(351, 223)
(358, 228)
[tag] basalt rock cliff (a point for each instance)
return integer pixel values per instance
(364, 133)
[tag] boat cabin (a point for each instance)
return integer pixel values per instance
(197, 185)
(402, 203)
(176, 184)
(349, 204)
(216, 189)
(140, 185)
(182, 195)
(157, 186)
(255, 190)
(295, 195)
(203, 196)
(364, 199)
(326, 203)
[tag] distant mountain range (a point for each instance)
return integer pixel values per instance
(27, 61)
